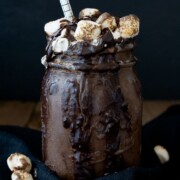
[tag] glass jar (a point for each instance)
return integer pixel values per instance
(86, 128)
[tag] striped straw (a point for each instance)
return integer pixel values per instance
(67, 10)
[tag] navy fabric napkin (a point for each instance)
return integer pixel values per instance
(163, 130)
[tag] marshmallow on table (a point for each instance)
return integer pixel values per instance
(87, 30)
(89, 12)
(21, 175)
(107, 21)
(18, 161)
(162, 153)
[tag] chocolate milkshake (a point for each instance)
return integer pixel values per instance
(91, 103)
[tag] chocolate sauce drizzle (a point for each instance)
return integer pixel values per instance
(77, 114)
(78, 111)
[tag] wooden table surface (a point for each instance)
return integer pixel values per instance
(27, 114)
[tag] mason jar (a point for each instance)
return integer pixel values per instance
(87, 117)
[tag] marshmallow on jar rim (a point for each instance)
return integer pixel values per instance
(129, 26)
(89, 12)
(107, 21)
(44, 61)
(87, 30)
(51, 27)
(116, 34)
(65, 33)
(60, 45)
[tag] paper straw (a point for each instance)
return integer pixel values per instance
(67, 10)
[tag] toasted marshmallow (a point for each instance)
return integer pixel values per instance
(129, 26)
(87, 30)
(60, 45)
(116, 33)
(72, 33)
(89, 12)
(21, 175)
(18, 161)
(44, 61)
(162, 154)
(69, 34)
(64, 32)
(95, 42)
(107, 21)
(51, 27)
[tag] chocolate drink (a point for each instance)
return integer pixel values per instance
(90, 127)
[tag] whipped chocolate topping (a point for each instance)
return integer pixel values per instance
(90, 35)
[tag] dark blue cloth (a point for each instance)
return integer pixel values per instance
(164, 130)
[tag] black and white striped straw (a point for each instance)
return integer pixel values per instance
(67, 10)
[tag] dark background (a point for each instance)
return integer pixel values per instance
(22, 44)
